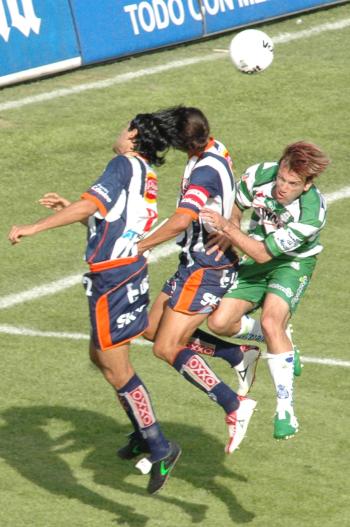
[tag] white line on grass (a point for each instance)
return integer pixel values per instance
(126, 77)
(57, 286)
(158, 253)
(27, 332)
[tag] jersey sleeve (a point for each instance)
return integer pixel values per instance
(299, 233)
(244, 195)
(204, 183)
(108, 187)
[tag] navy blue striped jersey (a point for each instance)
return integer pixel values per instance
(208, 181)
(126, 197)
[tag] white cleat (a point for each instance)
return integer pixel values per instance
(238, 422)
(246, 368)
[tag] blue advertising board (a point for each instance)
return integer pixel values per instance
(116, 28)
(45, 36)
(221, 15)
(35, 33)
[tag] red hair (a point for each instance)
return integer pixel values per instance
(305, 159)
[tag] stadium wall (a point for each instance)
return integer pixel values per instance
(41, 37)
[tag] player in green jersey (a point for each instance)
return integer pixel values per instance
(280, 249)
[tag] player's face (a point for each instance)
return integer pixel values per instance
(124, 142)
(289, 185)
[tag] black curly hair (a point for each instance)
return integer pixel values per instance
(151, 139)
(186, 127)
(182, 127)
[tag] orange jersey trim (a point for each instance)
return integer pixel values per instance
(123, 342)
(111, 264)
(189, 291)
(96, 201)
(102, 323)
(182, 210)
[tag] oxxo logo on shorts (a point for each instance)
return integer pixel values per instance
(20, 15)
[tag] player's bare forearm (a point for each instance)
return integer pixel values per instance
(56, 202)
(76, 212)
(253, 248)
(177, 223)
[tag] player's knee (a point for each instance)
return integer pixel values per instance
(164, 351)
(149, 334)
(270, 326)
(218, 324)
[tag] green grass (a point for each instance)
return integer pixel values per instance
(59, 422)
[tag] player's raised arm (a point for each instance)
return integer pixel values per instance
(75, 212)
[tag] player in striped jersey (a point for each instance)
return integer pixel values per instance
(119, 209)
(199, 283)
(281, 248)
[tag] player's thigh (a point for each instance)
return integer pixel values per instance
(228, 314)
(174, 332)
(154, 316)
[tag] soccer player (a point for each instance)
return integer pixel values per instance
(119, 208)
(199, 283)
(281, 249)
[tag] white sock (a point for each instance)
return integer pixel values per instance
(282, 372)
(250, 326)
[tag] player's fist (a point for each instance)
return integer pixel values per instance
(18, 231)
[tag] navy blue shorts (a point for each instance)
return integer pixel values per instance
(198, 289)
(118, 297)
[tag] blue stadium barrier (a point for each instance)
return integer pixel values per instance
(36, 37)
(39, 37)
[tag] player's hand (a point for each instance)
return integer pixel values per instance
(19, 231)
(54, 201)
(214, 219)
(217, 243)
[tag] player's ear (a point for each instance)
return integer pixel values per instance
(133, 133)
(308, 185)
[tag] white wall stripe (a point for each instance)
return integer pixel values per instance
(28, 332)
(157, 254)
(282, 38)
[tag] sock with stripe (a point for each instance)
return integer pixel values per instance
(206, 344)
(137, 404)
(195, 370)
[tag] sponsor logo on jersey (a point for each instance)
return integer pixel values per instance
(210, 300)
(127, 318)
(151, 188)
(286, 290)
(142, 407)
(286, 239)
(102, 191)
(304, 280)
(197, 369)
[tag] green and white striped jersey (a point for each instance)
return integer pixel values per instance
(291, 230)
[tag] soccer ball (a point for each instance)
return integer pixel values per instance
(251, 51)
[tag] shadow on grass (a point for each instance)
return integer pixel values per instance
(29, 447)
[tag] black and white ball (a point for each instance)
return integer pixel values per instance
(251, 51)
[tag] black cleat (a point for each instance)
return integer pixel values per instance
(135, 447)
(161, 469)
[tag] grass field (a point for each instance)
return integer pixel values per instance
(59, 422)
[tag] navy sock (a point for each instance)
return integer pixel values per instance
(196, 371)
(206, 344)
(137, 404)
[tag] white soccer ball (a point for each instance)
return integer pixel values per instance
(251, 51)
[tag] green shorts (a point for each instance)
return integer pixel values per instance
(285, 278)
